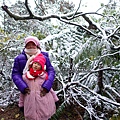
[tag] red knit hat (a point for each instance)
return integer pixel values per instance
(40, 59)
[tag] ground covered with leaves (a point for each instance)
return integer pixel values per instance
(12, 112)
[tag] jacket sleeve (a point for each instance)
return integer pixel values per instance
(51, 75)
(17, 76)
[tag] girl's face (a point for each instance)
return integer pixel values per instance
(31, 45)
(36, 66)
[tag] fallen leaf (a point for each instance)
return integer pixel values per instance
(17, 115)
(2, 119)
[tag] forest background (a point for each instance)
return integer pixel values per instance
(84, 48)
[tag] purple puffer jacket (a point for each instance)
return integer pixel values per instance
(17, 72)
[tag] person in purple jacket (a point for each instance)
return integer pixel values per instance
(32, 47)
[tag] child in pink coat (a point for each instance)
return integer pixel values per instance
(37, 105)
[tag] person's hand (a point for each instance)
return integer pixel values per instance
(43, 92)
(27, 90)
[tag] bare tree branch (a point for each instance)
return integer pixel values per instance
(26, 4)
